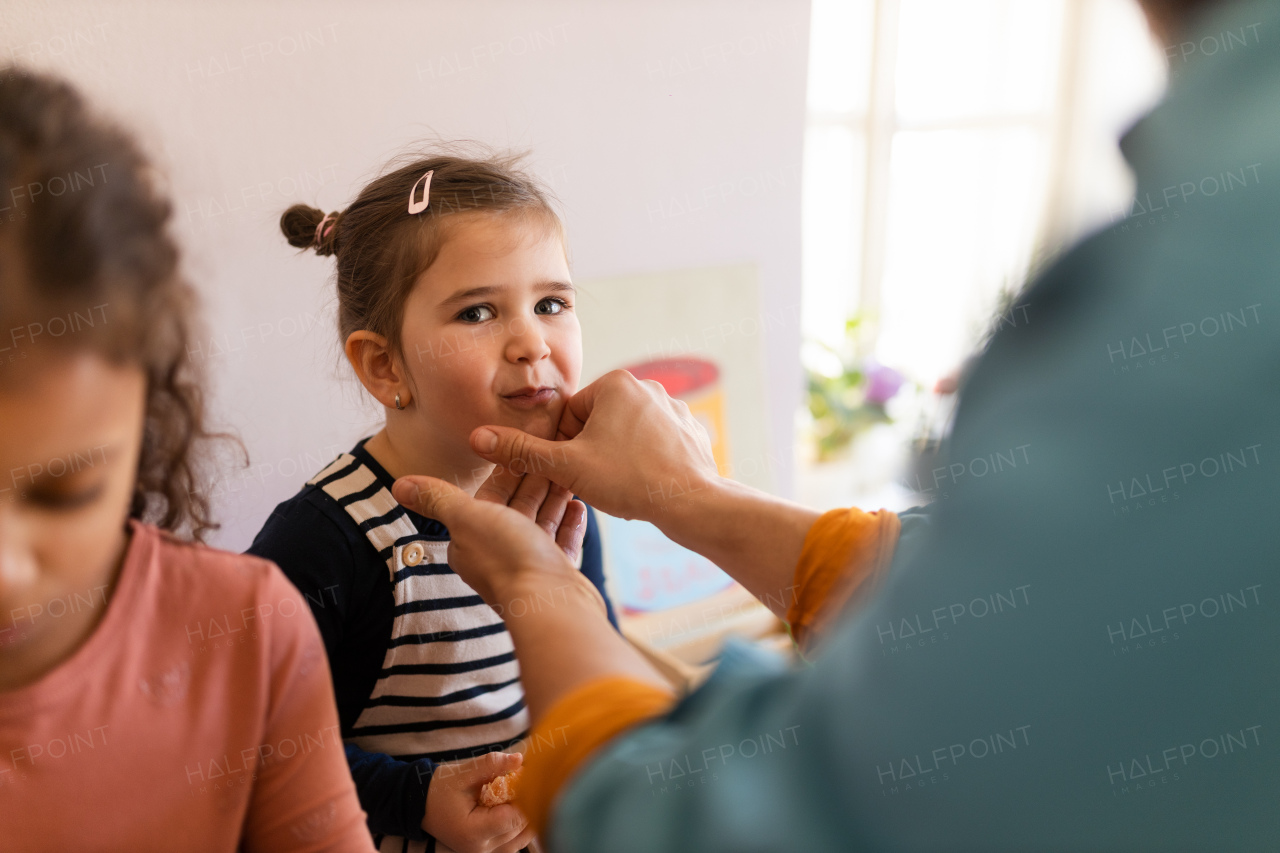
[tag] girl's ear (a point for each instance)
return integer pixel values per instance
(378, 369)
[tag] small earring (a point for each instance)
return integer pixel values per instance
(398, 406)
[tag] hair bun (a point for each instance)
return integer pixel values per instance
(300, 225)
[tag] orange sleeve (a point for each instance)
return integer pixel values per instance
(844, 553)
(574, 728)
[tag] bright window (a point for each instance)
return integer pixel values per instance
(949, 145)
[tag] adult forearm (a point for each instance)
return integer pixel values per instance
(563, 640)
(755, 537)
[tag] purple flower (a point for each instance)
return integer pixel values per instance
(882, 383)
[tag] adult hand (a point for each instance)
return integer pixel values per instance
(490, 544)
(455, 817)
(549, 505)
(632, 451)
(556, 616)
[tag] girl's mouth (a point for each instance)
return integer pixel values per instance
(530, 397)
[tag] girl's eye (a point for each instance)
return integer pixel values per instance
(65, 501)
(476, 314)
(550, 305)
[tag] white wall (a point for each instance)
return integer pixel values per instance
(671, 130)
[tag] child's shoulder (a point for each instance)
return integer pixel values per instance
(201, 574)
(310, 507)
(306, 530)
(216, 617)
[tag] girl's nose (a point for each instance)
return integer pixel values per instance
(18, 569)
(525, 342)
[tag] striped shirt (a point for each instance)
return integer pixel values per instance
(424, 670)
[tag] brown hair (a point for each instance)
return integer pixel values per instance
(1172, 18)
(382, 248)
(86, 244)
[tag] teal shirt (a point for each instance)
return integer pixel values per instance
(1080, 651)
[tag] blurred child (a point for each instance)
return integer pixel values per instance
(456, 309)
(154, 693)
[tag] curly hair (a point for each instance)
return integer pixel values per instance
(86, 230)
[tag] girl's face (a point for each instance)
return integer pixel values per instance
(490, 335)
(70, 434)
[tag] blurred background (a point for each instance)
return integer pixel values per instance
(801, 216)
(952, 148)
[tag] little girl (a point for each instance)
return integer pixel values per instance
(455, 307)
(154, 693)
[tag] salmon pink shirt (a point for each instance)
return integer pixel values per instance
(199, 715)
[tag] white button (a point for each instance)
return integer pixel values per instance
(413, 553)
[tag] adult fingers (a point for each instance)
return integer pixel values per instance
(530, 496)
(431, 497)
(500, 486)
(551, 512)
(523, 453)
(579, 406)
(573, 528)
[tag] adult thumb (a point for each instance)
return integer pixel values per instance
(521, 453)
(430, 497)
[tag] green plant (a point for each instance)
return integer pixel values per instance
(846, 394)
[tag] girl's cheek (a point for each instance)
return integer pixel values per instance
(460, 364)
(443, 352)
(568, 355)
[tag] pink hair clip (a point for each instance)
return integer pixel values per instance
(321, 231)
(415, 207)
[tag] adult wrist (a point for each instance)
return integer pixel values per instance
(688, 506)
(535, 592)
